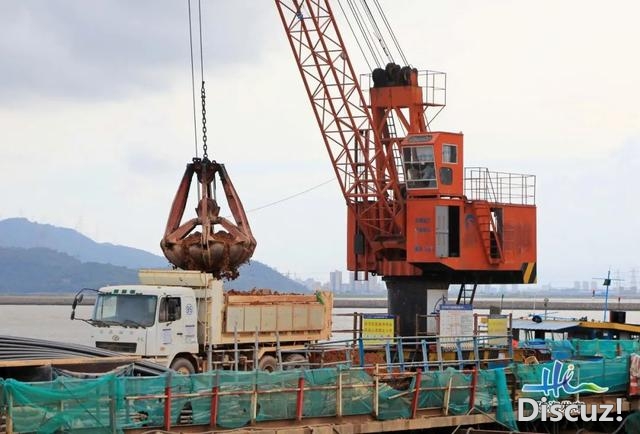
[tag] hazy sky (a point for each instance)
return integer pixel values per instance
(96, 119)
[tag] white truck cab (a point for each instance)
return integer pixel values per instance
(155, 322)
(177, 317)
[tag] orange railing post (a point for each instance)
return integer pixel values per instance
(214, 406)
(300, 400)
(472, 393)
(416, 394)
(167, 406)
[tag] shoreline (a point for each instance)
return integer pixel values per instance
(375, 303)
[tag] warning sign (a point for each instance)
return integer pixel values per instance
(377, 328)
(498, 325)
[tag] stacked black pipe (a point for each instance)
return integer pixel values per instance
(16, 348)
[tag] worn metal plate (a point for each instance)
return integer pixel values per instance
(235, 315)
(316, 317)
(300, 317)
(268, 318)
(285, 318)
(251, 319)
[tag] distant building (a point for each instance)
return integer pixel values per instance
(335, 281)
(352, 281)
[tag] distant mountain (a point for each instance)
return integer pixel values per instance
(258, 275)
(20, 232)
(38, 257)
(41, 270)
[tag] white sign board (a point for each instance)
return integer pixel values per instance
(456, 320)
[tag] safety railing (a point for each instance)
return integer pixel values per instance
(403, 354)
(499, 187)
(228, 399)
(433, 85)
(219, 400)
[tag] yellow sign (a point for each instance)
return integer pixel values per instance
(376, 329)
(498, 326)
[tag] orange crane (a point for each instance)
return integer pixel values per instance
(415, 215)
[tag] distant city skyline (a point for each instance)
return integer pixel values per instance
(337, 282)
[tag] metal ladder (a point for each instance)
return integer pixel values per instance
(466, 294)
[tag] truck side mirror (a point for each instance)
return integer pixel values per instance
(78, 299)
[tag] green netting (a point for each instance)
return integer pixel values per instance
(629, 347)
(611, 373)
(560, 350)
(110, 401)
(62, 405)
(491, 388)
(357, 392)
(607, 348)
(234, 409)
(632, 423)
(436, 382)
(504, 410)
(141, 412)
(394, 402)
(323, 402)
(278, 404)
(98, 405)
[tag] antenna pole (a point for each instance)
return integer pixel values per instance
(607, 282)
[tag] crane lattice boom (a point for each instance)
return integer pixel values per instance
(366, 172)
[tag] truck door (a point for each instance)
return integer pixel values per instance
(177, 325)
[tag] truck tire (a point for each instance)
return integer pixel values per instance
(295, 361)
(267, 363)
(183, 366)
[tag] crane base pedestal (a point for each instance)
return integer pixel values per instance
(408, 299)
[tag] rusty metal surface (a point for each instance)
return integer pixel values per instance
(208, 242)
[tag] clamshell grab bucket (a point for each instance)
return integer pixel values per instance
(217, 250)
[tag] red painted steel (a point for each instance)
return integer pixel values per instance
(167, 408)
(364, 171)
(214, 407)
(416, 394)
(300, 399)
(474, 385)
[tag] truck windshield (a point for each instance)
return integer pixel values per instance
(128, 310)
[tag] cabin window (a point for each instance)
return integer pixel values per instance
(170, 309)
(419, 166)
(449, 154)
(446, 175)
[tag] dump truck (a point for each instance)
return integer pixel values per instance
(185, 320)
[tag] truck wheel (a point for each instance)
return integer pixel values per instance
(295, 361)
(183, 366)
(268, 363)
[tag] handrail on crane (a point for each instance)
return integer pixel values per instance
(499, 187)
